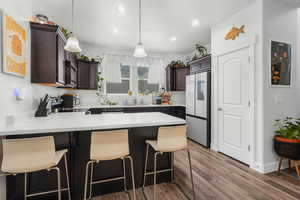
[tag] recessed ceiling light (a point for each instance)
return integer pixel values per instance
(173, 39)
(115, 31)
(195, 22)
(121, 8)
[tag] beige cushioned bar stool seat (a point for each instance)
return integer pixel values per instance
(108, 145)
(23, 156)
(169, 140)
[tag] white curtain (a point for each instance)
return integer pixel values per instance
(156, 72)
(155, 69)
(111, 68)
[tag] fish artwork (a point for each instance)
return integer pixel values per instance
(235, 32)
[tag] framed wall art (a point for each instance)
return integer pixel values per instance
(14, 39)
(281, 64)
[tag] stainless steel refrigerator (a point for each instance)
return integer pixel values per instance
(198, 106)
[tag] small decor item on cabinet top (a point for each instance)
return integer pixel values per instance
(176, 64)
(235, 32)
(86, 58)
(42, 19)
(201, 50)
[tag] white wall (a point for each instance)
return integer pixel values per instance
(265, 19)
(21, 10)
(280, 23)
(251, 17)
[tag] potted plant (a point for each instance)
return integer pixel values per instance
(287, 138)
(176, 64)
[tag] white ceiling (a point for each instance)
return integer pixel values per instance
(161, 19)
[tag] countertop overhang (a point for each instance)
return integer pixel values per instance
(71, 122)
(128, 106)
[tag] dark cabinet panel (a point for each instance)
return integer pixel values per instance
(201, 64)
(87, 75)
(60, 60)
(93, 76)
(180, 80)
(70, 75)
(47, 55)
(175, 78)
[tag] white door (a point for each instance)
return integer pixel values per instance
(234, 104)
(190, 95)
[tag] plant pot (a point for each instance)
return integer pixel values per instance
(287, 148)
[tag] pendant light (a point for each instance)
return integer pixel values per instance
(72, 42)
(139, 49)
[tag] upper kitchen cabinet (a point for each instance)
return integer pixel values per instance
(176, 78)
(47, 55)
(87, 72)
(70, 70)
(200, 64)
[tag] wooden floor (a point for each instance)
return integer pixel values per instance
(218, 177)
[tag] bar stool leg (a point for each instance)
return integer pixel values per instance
(132, 177)
(124, 173)
(154, 185)
(67, 175)
(91, 180)
(172, 167)
(25, 186)
(86, 179)
(146, 163)
(58, 182)
(191, 172)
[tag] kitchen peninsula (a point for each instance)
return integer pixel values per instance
(72, 131)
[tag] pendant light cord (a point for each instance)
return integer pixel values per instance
(72, 16)
(140, 21)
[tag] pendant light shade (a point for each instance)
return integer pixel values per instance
(139, 49)
(72, 44)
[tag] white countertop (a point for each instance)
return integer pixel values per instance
(78, 121)
(125, 106)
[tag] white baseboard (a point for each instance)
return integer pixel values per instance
(268, 167)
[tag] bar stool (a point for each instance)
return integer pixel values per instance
(25, 156)
(109, 145)
(169, 140)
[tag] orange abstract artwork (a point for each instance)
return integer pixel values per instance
(14, 47)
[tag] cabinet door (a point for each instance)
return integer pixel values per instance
(83, 75)
(180, 75)
(93, 76)
(43, 56)
(170, 79)
(60, 60)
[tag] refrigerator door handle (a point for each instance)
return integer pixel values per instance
(220, 109)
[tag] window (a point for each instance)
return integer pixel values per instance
(143, 85)
(134, 79)
(124, 86)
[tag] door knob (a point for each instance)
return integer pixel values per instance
(220, 109)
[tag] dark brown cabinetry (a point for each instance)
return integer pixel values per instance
(71, 71)
(175, 78)
(200, 64)
(87, 75)
(47, 55)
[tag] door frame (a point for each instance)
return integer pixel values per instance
(251, 45)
